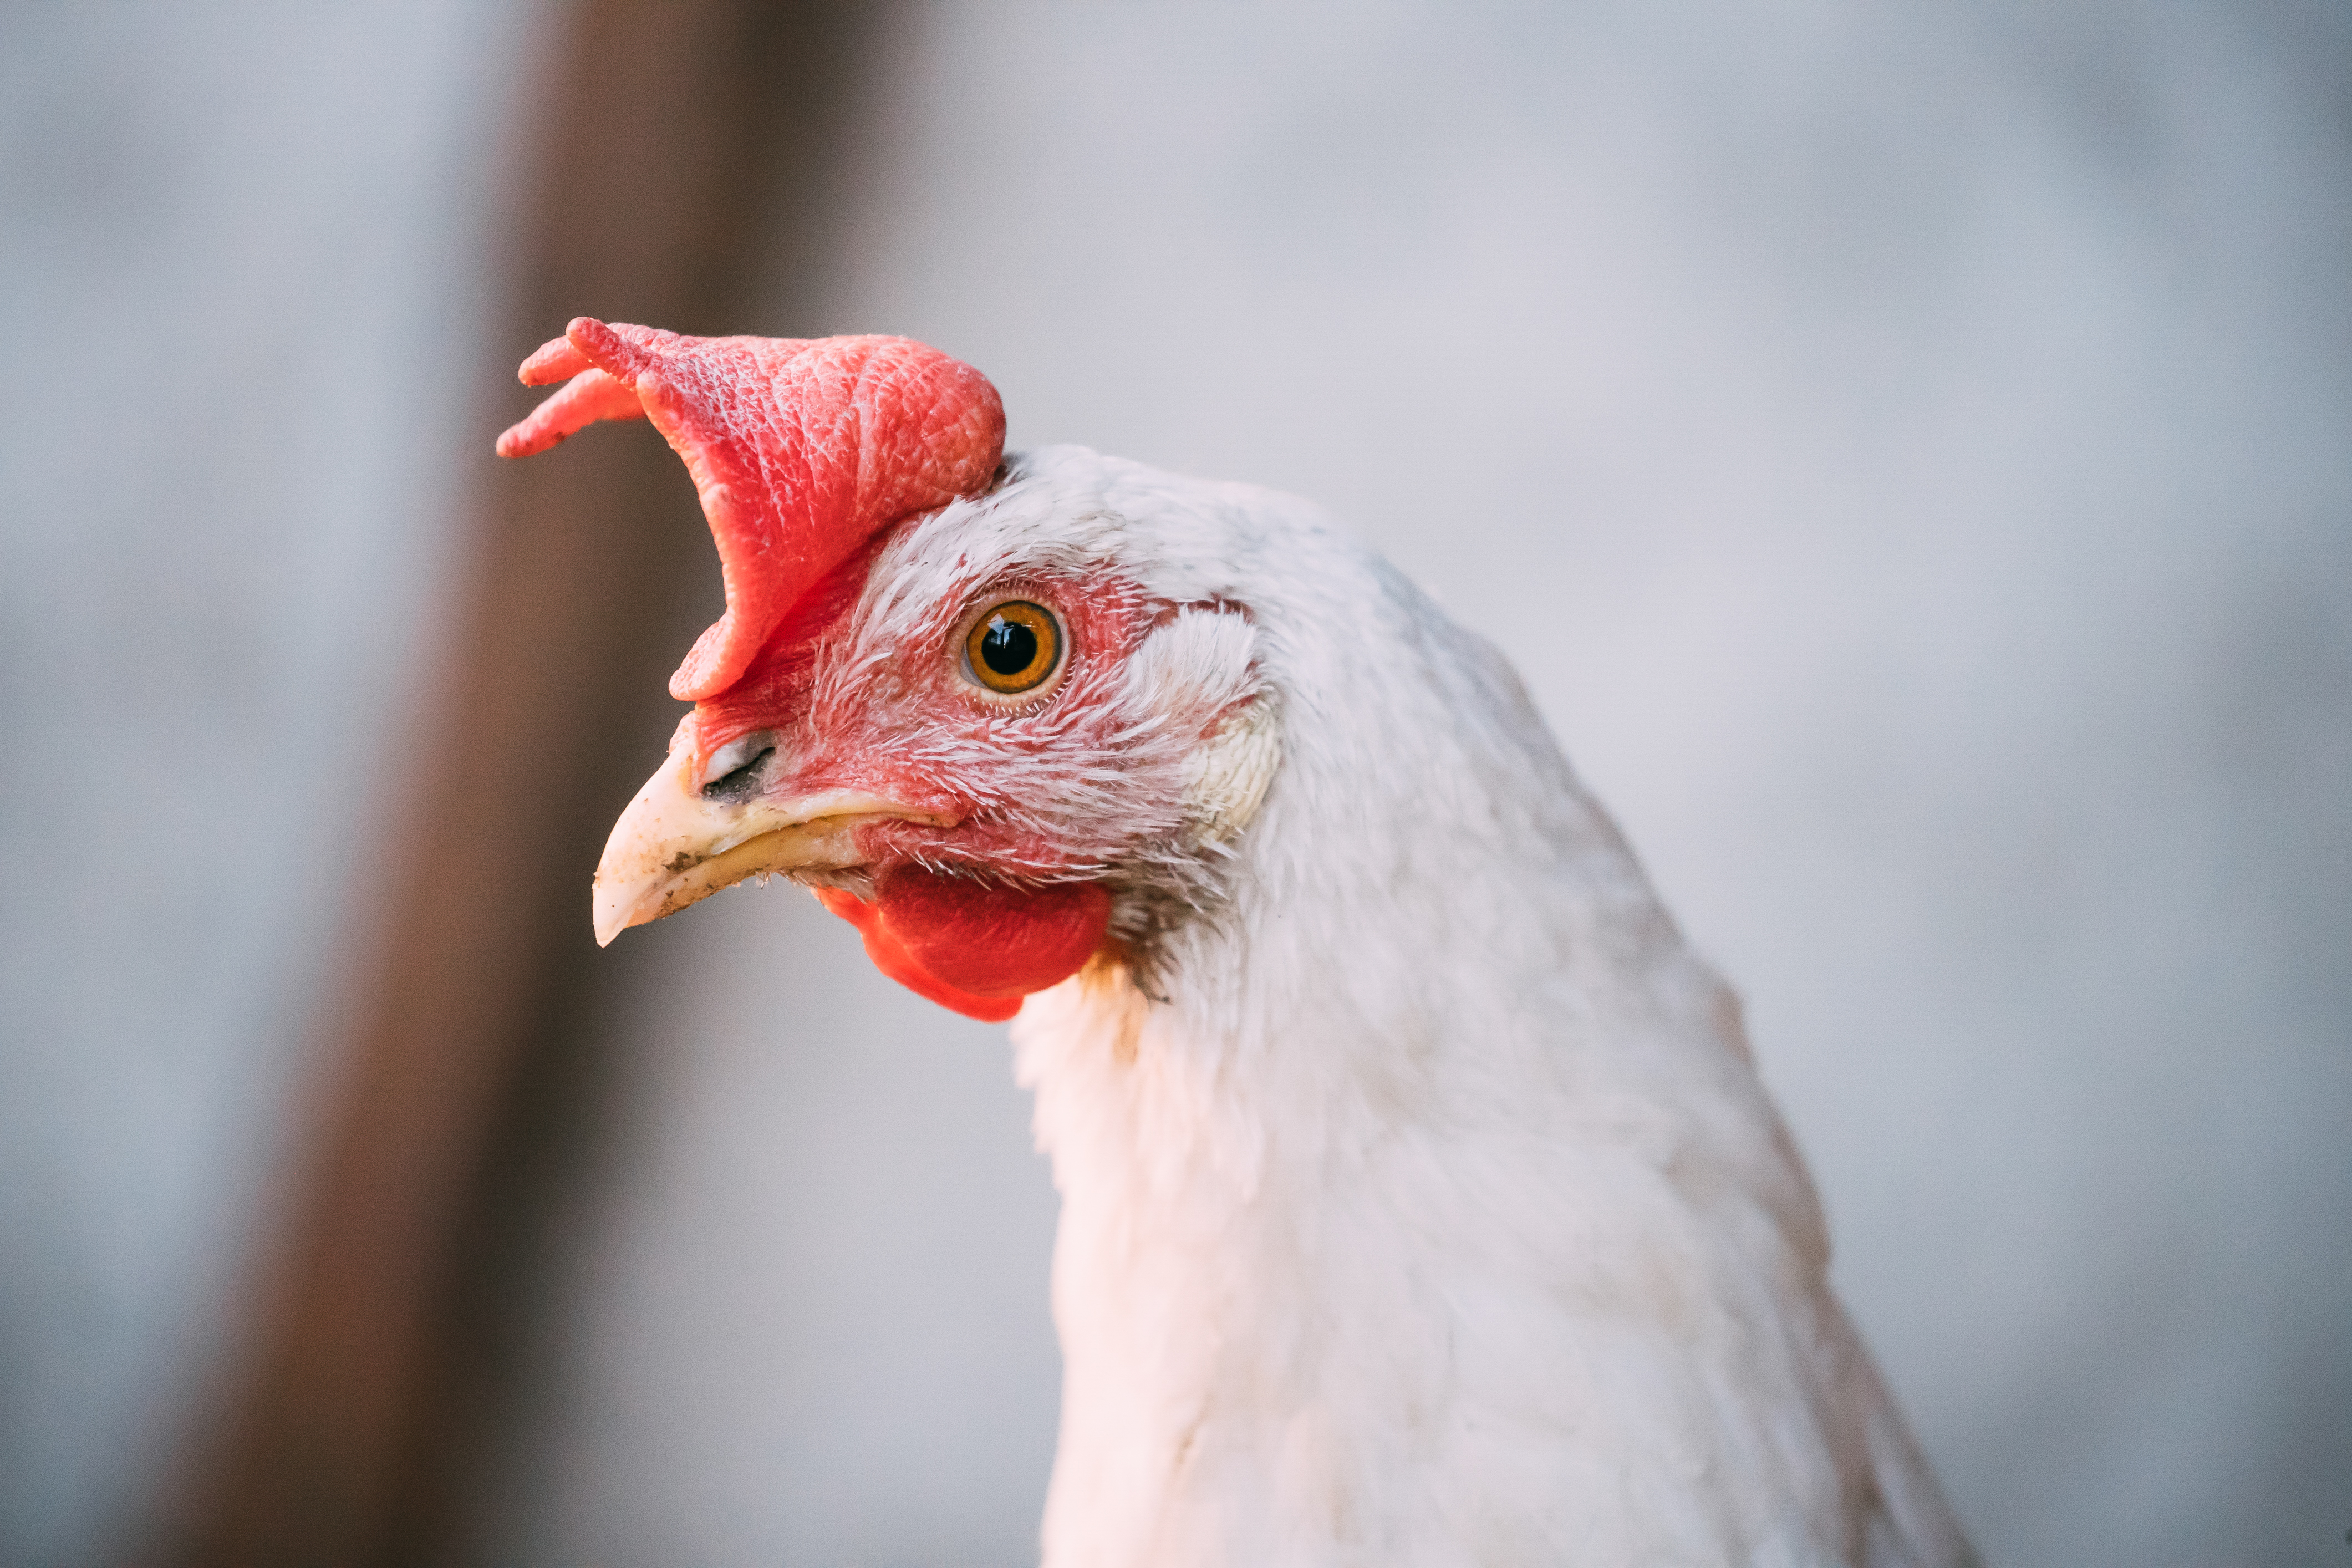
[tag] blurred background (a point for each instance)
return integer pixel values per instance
(1907, 452)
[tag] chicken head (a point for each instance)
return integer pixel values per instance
(966, 718)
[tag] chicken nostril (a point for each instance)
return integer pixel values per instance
(733, 771)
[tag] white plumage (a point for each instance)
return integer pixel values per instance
(1428, 1210)
(1421, 1203)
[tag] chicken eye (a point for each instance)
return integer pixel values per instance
(1013, 647)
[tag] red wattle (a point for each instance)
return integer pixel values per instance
(973, 948)
(893, 960)
(993, 941)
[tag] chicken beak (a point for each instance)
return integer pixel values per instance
(673, 846)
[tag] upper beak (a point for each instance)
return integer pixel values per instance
(674, 848)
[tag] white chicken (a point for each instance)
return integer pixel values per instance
(1420, 1202)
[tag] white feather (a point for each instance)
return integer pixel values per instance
(1434, 1214)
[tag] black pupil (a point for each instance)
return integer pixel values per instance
(1008, 647)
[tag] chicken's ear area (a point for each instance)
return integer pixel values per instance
(972, 948)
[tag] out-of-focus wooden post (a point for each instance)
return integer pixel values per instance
(680, 141)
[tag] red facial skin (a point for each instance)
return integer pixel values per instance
(1013, 916)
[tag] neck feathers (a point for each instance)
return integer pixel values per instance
(1434, 1202)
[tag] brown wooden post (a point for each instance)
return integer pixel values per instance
(681, 141)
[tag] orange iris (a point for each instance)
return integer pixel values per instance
(1013, 647)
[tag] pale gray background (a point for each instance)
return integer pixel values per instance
(242, 260)
(1910, 459)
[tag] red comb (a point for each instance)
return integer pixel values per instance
(801, 448)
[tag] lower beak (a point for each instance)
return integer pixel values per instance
(673, 846)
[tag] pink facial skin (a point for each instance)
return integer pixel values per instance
(977, 913)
